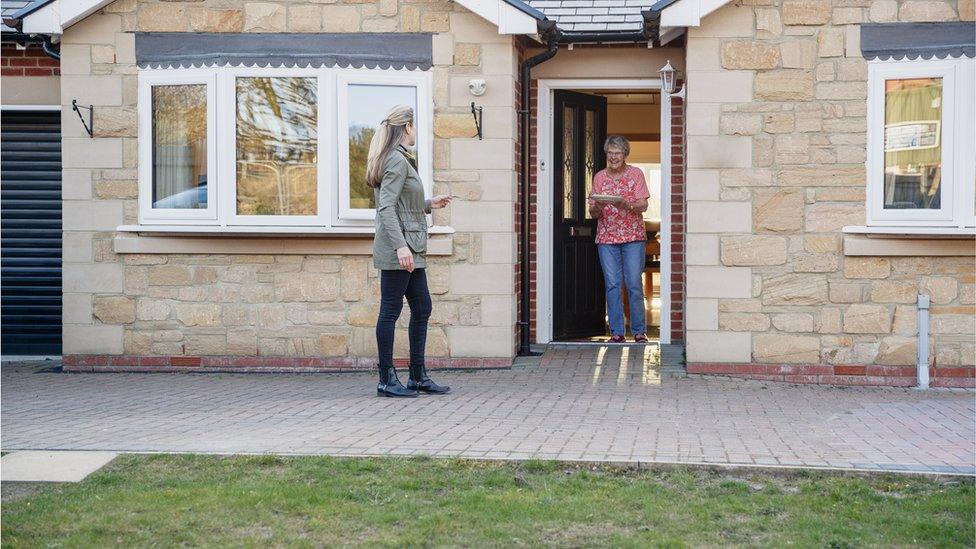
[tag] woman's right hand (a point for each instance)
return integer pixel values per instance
(405, 257)
(596, 208)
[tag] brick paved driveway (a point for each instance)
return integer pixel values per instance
(589, 404)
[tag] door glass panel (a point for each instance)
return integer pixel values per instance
(277, 143)
(569, 161)
(913, 144)
(589, 160)
(179, 136)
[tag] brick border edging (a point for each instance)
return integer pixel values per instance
(840, 374)
(254, 364)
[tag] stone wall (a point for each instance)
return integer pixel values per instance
(776, 167)
(292, 303)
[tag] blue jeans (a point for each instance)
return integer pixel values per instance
(394, 286)
(624, 261)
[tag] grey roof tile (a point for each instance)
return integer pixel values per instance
(594, 15)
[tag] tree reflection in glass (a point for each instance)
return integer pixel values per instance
(277, 142)
(368, 104)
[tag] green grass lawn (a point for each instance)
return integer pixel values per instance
(168, 500)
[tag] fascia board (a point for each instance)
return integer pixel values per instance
(46, 20)
(688, 13)
(514, 21)
(508, 19)
(59, 15)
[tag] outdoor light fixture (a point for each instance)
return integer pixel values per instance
(668, 74)
(477, 86)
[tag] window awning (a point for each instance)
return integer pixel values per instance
(357, 50)
(918, 40)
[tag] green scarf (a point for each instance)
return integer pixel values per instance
(410, 157)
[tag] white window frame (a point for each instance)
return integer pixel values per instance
(333, 145)
(165, 216)
(958, 173)
(227, 146)
(423, 117)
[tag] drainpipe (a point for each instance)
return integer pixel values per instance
(47, 46)
(525, 314)
(923, 342)
(554, 39)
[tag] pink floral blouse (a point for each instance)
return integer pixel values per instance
(618, 225)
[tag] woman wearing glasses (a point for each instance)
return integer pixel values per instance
(620, 236)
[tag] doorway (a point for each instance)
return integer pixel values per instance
(575, 118)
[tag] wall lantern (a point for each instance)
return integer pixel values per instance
(668, 75)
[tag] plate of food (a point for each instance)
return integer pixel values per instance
(611, 198)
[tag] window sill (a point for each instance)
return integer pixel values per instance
(912, 232)
(277, 231)
(909, 241)
(156, 239)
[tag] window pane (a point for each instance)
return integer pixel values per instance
(277, 144)
(913, 143)
(179, 122)
(590, 150)
(368, 105)
(569, 161)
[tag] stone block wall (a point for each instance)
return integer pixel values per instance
(777, 103)
(246, 307)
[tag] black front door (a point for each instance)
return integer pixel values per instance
(579, 300)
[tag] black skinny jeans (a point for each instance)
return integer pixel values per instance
(394, 285)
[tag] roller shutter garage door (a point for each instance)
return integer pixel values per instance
(30, 232)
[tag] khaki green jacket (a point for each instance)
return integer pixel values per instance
(400, 214)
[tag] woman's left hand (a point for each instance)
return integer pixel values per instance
(440, 201)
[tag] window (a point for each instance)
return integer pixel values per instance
(238, 147)
(178, 157)
(364, 100)
(920, 164)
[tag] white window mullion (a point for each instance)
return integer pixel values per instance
(328, 166)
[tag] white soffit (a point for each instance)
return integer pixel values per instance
(60, 14)
(508, 19)
(688, 13)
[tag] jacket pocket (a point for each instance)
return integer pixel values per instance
(415, 233)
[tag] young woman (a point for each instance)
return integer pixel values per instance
(399, 249)
(620, 237)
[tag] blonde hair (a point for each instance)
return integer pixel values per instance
(387, 137)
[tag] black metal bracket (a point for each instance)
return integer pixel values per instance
(478, 114)
(90, 125)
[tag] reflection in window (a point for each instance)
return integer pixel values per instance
(179, 173)
(913, 143)
(276, 146)
(368, 105)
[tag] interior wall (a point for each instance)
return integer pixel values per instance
(608, 62)
(634, 118)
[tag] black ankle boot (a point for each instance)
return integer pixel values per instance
(420, 382)
(390, 386)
